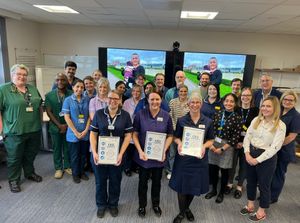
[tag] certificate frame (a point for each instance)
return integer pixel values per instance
(108, 149)
(155, 145)
(192, 142)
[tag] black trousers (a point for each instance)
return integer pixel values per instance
(214, 177)
(260, 174)
(144, 176)
(238, 156)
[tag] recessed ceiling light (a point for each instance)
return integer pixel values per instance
(198, 15)
(56, 9)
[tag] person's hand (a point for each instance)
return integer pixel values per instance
(212, 148)
(143, 156)
(164, 157)
(239, 145)
(96, 158)
(119, 160)
(203, 153)
(179, 147)
(218, 151)
(77, 134)
(62, 128)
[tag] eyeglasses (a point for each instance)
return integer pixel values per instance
(22, 75)
(246, 95)
(113, 99)
(289, 100)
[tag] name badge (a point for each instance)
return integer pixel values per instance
(217, 107)
(245, 128)
(29, 109)
(80, 118)
(201, 126)
(243, 133)
(111, 127)
(218, 139)
(160, 119)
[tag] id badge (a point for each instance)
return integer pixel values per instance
(218, 139)
(29, 109)
(160, 119)
(80, 118)
(111, 127)
(243, 133)
(245, 128)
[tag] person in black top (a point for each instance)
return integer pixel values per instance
(227, 131)
(248, 112)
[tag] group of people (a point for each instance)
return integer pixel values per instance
(256, 130)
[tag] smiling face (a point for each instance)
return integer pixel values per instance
(61, 81)
(103, 90)
(183, 93)
(236, 87)
(229, 103)
(135, 60)
(121, 89)
(113, 100)
(19, 77)
(140, 81)
(179, 78)
(148, 89)
(154, 101)
(288, 102)
(195, 105)
(159, 81)
(70, 72)
(97, 75)
(212, 91)
(204, 80)
(266, 83)
(267, 109)
(89, 85)
(246, 96)
(136, 93)
(78, 88)
(213, 64)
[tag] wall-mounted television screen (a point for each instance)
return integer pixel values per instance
(230, 65)
(125, 64)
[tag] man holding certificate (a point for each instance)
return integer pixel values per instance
(190, 172)
(153, 134)
(113, 126)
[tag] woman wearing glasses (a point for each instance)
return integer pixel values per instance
(286, 154)
(111, 121)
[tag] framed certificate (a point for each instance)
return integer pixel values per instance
(154, 145)
(108, 149)
(192, 141)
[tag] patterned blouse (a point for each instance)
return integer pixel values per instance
(231, 130)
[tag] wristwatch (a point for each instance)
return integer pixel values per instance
(222, 149)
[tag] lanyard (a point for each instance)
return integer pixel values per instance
(26, 95)
(222, 122)
(80, 106)
(111, 125)
(59, 98)
(245, 117)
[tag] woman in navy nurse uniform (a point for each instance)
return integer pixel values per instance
(286, 154)
(190, 174)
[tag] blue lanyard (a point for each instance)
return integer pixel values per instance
(222, 122)
(80, 106)
(245, 117)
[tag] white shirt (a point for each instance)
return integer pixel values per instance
(263, 138)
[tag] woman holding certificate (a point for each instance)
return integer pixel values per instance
(227, 129)
(113, 126)
(263, 140)
(190, 173)
(153, 134)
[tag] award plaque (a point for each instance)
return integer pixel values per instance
(108, 149)
(154, 145)
(192, 141)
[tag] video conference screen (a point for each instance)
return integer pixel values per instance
(231, 65)
(125, 64)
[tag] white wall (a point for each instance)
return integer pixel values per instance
(272, 50)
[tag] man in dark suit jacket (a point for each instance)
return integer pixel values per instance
(266, 84)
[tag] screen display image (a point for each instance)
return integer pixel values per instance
(230, 65)
(125, 64)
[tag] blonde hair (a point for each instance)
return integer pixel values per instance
(276, 114)
(195, 94)
(14, 68)
(289, 92)
(103, 81)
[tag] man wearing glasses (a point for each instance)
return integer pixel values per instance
(266, 84)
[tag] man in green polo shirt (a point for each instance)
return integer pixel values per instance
(57, 126)
(20, 123)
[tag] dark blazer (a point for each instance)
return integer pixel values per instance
(258, 96)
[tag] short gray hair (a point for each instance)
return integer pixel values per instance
(14, 68)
